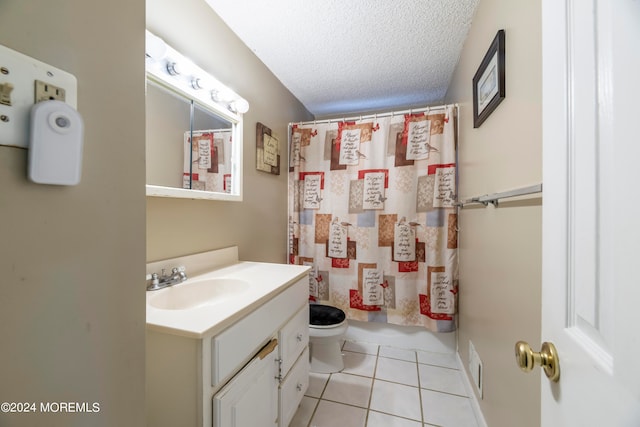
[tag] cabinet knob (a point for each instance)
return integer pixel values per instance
(299, 386)
(299, 337)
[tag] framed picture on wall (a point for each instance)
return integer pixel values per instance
(489, 81)
(267, 150)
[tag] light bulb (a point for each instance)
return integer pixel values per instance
(197, 83)
(222, 94)
(155, 47)
(174, 68)
(240, 105)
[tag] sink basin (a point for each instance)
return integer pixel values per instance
(197, 293)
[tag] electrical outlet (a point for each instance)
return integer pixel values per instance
(48, 92)
(18, 76)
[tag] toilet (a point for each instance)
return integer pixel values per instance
(327, 326)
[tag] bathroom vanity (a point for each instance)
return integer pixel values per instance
(234, 356)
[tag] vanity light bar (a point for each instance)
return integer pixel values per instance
(168, 66)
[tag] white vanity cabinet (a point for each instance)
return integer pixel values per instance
(252, 373)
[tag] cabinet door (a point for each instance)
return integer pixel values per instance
(293, 388)
(250, 399)
(293, 338)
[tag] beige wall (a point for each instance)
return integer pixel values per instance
(258, 224)
(72, 259)
(500, 248)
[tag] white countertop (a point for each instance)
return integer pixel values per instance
(266, 280)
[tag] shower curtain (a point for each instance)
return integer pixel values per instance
(372, 210)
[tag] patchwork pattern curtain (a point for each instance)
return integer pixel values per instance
(372, 211)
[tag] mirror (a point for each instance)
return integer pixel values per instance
(168, 116)
(193, 140)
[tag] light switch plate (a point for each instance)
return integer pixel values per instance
(22, 72)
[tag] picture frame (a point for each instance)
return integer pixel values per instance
(267, 150)
(489, 81)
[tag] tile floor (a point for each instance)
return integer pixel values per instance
(387, 387)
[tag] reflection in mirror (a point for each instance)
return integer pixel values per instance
(194, 136)
(208, 156)
(168, 117)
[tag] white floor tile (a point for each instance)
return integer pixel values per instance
(438, 359)
(398, 371)
(361, 347)
(349, 389)
(359, 363)
(447, 410)
(396, 399)
(304, 413)
(377, 419)
(398, 353)
(393, 397)
(316, 384)
(442, 379)
(331, 414)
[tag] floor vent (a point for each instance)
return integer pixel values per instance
(475, 368)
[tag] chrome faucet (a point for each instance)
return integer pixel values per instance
(178, 275)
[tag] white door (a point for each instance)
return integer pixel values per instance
(591, 214)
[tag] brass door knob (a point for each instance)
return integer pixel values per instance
(546, 359)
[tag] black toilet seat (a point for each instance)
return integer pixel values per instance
(325, 315)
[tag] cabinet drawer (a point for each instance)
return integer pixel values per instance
(293, 387)
(293, 338)
(232, 348)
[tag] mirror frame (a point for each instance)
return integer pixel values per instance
(156, 73)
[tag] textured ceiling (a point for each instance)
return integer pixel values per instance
(352, 56)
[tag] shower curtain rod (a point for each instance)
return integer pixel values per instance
(375, 116)
(493, 198)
